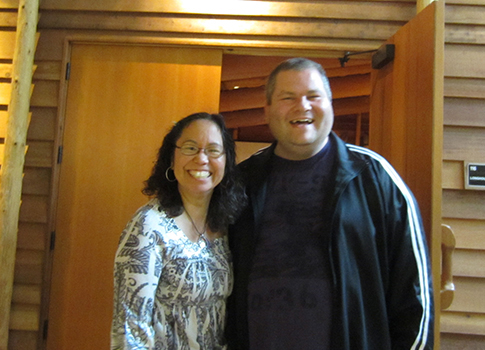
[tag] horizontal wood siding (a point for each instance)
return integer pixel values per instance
(463, 323)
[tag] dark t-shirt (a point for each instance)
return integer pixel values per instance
(290, 289)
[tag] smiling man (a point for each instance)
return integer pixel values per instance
(330, 253)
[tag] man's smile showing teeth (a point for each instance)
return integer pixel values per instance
(199, 174)
(301, 121)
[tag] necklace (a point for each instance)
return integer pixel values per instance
(201, 234)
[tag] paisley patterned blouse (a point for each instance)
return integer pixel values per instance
(169, 292)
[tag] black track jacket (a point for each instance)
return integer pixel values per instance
(382, 279)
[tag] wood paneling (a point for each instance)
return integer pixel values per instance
(468, 88)
(31, 236)
(465, 34)
(23, 340)
(453, 175)
(238, 26)
(5, 70)
(45, 93)
(7, 38)
(461, 342)
(39, 154)
(461, 322)
(465, 14)
(471, 61)
(464, 204)
(369, 10)
(34, 209)
(469, 294)
(463, 143)
(464, 112)
(48, 70)
(26, 294)
(469, 263)
(36, 181)
(241, 99)
(42, 124)
(24, 317)
(29, 267)
(469, 234)
(8, 19)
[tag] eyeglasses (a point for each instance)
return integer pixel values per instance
(191, 150)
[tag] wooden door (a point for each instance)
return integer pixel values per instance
(121, 100)
(406, 119)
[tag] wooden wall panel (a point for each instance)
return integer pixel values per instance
(26, 294)
(31, 236)
(237, 26)
(3, 123)
(461, 322)
(464, 140)
(5, 70)
(34, 209)
(7, 38)
(469, 342)
(24, 317)
(4, 93)
(36, 181)
(470, 234)
(472, 64)
(24, 340)
(29, 266)
(469, 263)
(45, 93)
(48, 70)
(42, 124)
(465, 14)
(465, 34)
(464, 112)
(453, 175)
(461, 87)
(461, 143)
(400, 10)
(464, 204)
(8, 19)
(469, 294)
(39, 154)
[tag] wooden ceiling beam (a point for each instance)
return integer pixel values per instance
(355, 29)
(368, 10)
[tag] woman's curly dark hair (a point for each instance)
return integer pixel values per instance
(228, 197)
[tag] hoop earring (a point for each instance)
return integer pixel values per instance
(167, 177)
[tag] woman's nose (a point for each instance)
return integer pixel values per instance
(201, 157)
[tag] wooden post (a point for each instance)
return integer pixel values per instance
(14, 155)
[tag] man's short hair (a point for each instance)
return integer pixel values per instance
(297, 64)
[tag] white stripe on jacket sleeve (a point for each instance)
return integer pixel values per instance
(418, 243)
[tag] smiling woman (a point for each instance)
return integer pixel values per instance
(173, 259)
